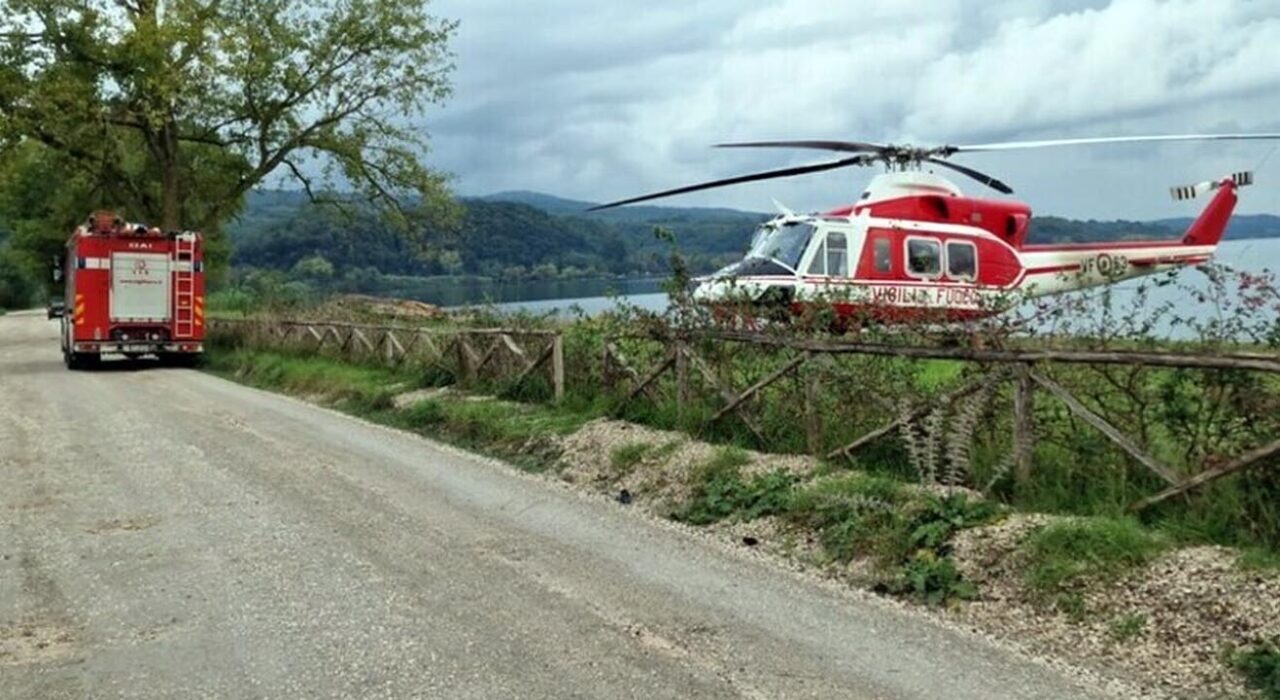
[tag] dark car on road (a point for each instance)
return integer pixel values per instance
(57, 307)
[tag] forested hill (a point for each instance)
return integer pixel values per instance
(520, 235)
(539, 237)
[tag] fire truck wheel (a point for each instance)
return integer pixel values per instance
(179, 359)
(82, 360)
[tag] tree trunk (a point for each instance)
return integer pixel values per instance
(171, 180)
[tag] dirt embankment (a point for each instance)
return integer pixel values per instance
(359, 307)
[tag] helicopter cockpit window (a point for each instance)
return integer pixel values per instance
(924, 257)
(784, 244)
(962, 260)
(831, 256)
(837, 255)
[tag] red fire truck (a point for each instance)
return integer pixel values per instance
(132, 291)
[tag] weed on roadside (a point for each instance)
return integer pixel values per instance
(931, 579)
(1260, 665)
(1258, 559)
(1127, 627)
(721, 492)
(624, 459)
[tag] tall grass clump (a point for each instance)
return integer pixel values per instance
(1062, 557)
(1260, 665)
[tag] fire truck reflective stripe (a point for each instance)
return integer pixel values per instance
(93, 263)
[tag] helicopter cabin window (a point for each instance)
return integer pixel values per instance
(962, 260)
(924, 257)
(831, 256)
(882, 255)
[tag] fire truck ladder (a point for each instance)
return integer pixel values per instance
(184, 280)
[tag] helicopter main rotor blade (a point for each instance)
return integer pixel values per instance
(843, 146)
(1016, 145)
(754, 177)
(980, 177)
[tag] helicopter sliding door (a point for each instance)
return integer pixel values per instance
(831, 254)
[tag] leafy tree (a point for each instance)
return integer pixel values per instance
(17, 287)
(313, 267)
(174, 109)
(35, 214)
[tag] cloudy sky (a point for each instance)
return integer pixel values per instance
(604, 99)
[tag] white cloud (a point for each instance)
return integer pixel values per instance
(596, 100)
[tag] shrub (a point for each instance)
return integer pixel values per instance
(720, 492)
(932, 579)
(933, 520)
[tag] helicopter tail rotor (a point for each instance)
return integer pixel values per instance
(1185, 192)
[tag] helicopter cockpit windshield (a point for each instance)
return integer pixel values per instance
(783, 243)
(776, 249)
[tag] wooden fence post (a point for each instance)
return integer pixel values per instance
(557, 366)
(682, 380)
(606, 367)
(1023, 424)
(464, 359)
(813, 417)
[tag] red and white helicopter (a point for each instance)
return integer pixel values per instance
(914, 247)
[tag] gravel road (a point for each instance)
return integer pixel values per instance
(167, 534)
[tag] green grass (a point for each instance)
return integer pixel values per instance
(518, 433)
(853, 515)
(513, 431)
(626, 458)
(1259, 559)
(1064, 556)
(335, 382)
(1260, 665)
(1127, 627)
(933, 375)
